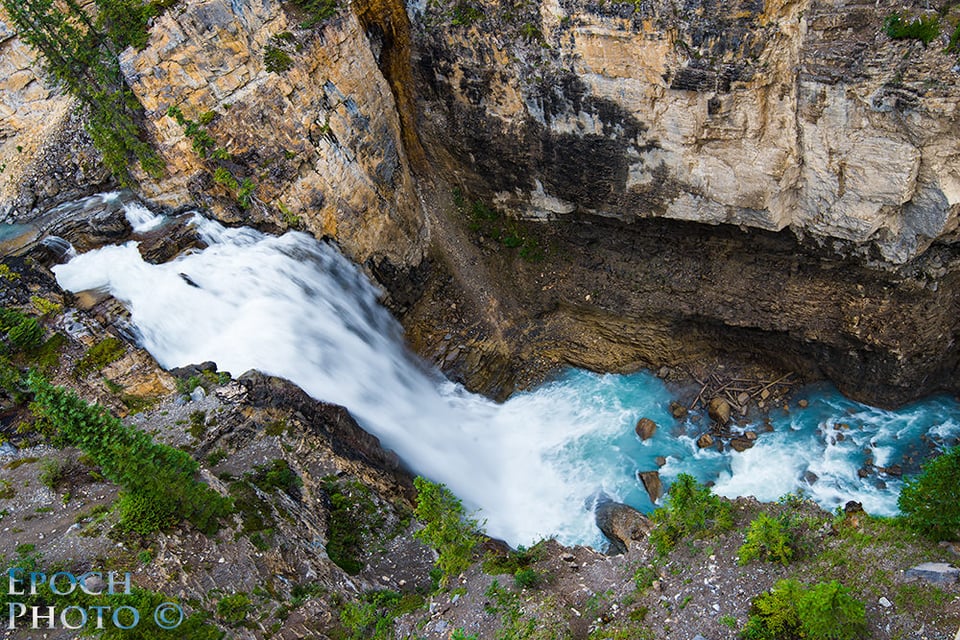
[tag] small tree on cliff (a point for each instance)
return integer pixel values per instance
(81, 54)
(447, 527)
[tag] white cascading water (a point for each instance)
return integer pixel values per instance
(293, 307)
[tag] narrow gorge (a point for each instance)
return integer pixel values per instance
(500, 235)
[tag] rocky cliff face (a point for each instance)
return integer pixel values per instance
(800, 115)
(320, 139)
(774, 180)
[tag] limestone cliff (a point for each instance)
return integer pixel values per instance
(785, 114)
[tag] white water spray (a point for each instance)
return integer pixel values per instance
(294, 307)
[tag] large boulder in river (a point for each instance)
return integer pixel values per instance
(646, 428)
(719, 411)
(623, 526)
(651, 482)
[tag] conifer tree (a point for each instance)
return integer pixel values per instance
(81, 54)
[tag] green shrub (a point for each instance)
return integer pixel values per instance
(22, 332)
(353, 517)
(156, 477)
(447, 528)
(825, 611)
(928, 501)
(276, 60)
(465, 14)
(317, 10)
(233, 609)
(527, 578)
(924, 28)
(53, 472)
(770, 539)
(372, 617)
(139, 514)
(690, 509)
(828, 612)
(277, 475)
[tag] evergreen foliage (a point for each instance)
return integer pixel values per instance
(770, 539)
(924, 28)
(81, 54)
(157, 480)
(690, 508)
(447, 527)
(825, 611)
(929, 502)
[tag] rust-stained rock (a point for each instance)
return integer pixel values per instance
(719, 411)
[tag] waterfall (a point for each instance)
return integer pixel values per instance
(294, 307)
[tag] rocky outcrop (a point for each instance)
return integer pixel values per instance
(623, 526)
(771, 182)
(321, 139)
(45, 157)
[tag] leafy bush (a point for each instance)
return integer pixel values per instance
(925, 28)
(825, 611)
(929, 502)
(447, 528)
(690, 508)
(770, 539)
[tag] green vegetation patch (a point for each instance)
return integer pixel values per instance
(447, 527)
(926, 29)
(158, 480)
(317, 11)
(928, 501)
(372, 617)
(690, 509)
(769, 538)
(106, 351)
(825, 611)
(354, 518)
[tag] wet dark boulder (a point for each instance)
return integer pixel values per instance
(623, 526)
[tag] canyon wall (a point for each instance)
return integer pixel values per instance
(776, 181)
(802, 115)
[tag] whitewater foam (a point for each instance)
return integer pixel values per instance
(294, 307)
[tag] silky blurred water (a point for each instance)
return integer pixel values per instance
(533, 466)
